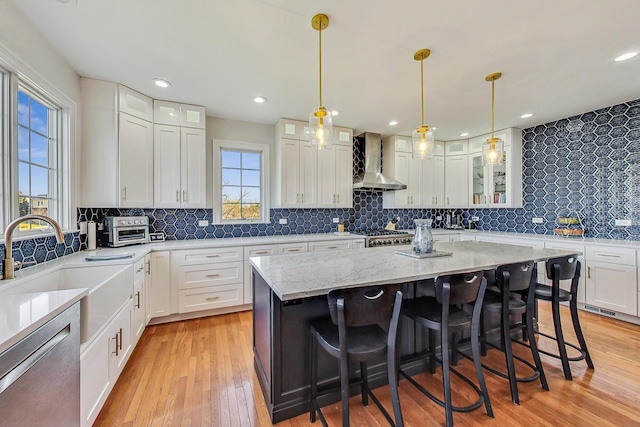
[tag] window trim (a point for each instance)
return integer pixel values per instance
(263, 149)
(18, 72)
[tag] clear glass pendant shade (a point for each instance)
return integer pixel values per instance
(321, 128)
(423, 142)
(493, 152)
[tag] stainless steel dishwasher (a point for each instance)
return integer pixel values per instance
(40, 375)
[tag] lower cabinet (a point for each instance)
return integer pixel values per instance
(611, 281)
(205, 279)
(102, 362)
(160, 284)
(332, 245)
(139, 314)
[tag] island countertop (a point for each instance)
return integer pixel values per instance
(312, 274)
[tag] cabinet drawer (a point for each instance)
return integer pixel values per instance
(611, 255)
(260, 250)
(198, 276)
(331, 245)
(206, 256)
(206, 298)
(292, 248)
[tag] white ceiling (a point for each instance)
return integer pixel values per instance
(556, 56)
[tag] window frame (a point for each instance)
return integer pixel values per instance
(14, 73)
(263, 149)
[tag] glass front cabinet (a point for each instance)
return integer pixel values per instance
(496, 186)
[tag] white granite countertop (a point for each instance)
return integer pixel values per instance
(21, 314)
(311, 274)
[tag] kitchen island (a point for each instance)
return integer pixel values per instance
(290, 290)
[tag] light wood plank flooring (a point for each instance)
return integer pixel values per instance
(200, 373)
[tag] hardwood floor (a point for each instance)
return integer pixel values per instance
(200, 373)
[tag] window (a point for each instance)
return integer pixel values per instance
(241, 193)
(37, 166)
(241, 185)
(36, 128)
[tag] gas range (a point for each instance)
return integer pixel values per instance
(382, 237)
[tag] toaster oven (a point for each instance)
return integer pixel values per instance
(125, 230)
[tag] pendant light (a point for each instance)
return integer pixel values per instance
(423, 141)
(493, 148)
(320, 121)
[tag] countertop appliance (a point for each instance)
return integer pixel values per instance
(380, 237)
(125, 230)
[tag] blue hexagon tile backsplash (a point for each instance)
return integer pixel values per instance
(589, 163)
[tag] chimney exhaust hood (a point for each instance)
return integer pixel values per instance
(372, 178)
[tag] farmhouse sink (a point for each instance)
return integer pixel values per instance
(110, 287)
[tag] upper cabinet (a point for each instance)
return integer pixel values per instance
(335, 171)
(175, 114)
(117, 146)
(179, 156)
(424, 178)
(135, 104)
(305, 177)
(118, 164)
(455, 179)
(496, 186)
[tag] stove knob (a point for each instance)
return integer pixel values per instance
(122, 222)
(396, 242)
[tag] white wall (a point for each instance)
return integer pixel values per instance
(20, 38)
(24, 51)
(235, 130)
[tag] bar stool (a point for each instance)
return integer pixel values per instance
(564, 268)
(353, 334)
(441, 313)
(514, 278)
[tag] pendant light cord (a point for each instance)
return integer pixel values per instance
(320, 61)
(422, 90)
(493, 113)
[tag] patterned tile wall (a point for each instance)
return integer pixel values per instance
(589, 163)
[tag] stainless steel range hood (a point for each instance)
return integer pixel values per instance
(372, 178)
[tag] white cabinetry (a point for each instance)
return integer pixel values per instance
(305, 177)
(611, 281)
(117, 146)
(101, 363)
(332, 245)
(424, 178)
(175, 114)
(456, 172)
(179, 167)
(266, 250)
(433, 178)
(496, 186)
(335, 172)
(160, 286)
(204, 279)
(296, 167)
(139, 313)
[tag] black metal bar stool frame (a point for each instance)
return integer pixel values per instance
(512, 279)
(353, 334)
(440, 313)
(557, 269)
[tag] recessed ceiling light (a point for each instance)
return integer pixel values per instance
(626, 56)
(393, 123)
(464, 134)
(526, 115)
(434, 128)
(161, 83)
(260, 99)
(335, 112)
